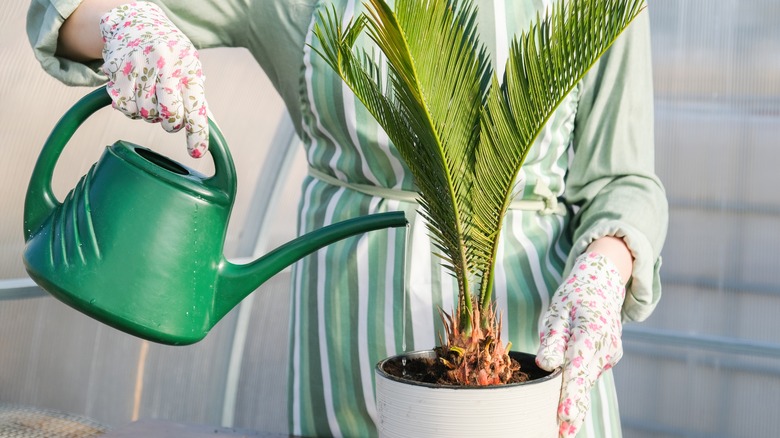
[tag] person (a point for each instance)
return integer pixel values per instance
(373, 296)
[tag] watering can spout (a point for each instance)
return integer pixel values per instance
(238, 281)
(137, 244)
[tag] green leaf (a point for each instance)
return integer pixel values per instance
(463, 134)
(544, 65)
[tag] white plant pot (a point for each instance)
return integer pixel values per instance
(411, 409)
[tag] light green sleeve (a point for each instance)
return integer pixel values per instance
(44, 18)
(206, 23)
(611, 177)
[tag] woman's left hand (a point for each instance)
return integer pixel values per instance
(581, 332)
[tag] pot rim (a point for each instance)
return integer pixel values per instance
(427, 353)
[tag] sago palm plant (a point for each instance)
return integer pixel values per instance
(464, 133)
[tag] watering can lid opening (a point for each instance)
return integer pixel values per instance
(166, 169)
(163, 161)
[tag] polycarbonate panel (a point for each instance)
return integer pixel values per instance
(52, 357)
(717, 88)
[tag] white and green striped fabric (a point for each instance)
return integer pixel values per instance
(349, 305)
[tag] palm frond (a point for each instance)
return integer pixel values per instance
(544, 65)
(463, 133)
(429, 106)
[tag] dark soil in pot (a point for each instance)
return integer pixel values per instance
(423, 367)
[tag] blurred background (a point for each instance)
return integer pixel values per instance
(705, 364)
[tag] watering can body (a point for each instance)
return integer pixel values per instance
(137, 244)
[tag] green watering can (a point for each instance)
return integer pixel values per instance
(137, 244)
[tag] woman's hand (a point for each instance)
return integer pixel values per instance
(581, 332)
(153, 68)
(154, 71)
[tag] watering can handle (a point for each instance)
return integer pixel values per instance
(41, 201)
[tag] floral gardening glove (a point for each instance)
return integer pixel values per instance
(154, 72)
(581, 332)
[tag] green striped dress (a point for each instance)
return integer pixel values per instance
(366, 298)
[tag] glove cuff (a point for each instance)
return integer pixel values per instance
(141, 15)
(601, 270)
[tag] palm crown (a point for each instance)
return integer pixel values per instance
(463, 133)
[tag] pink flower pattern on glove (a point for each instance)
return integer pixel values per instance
(581, 332)
(154, 72)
